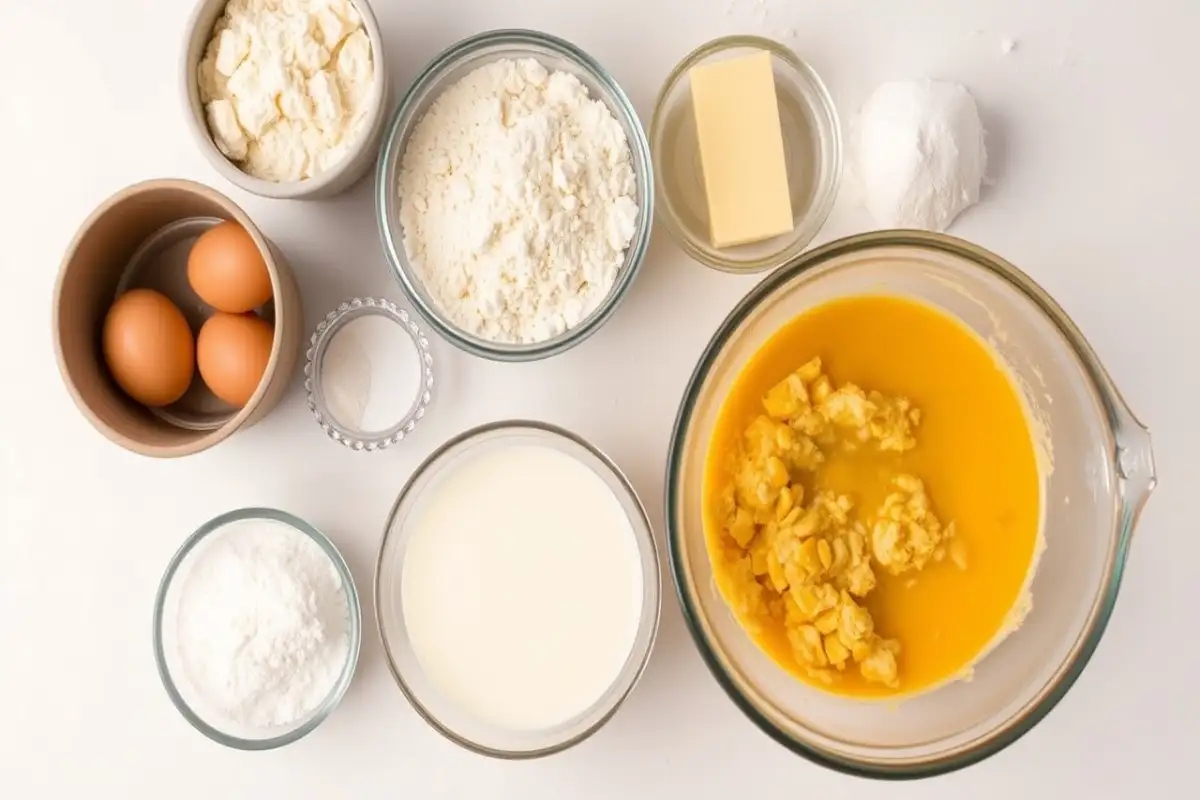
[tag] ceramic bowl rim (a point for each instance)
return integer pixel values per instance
(239, 419)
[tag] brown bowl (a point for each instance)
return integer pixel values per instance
(107, 256)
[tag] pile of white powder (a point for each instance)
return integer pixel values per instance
(920, 154)
(518, 201)
(263, 623)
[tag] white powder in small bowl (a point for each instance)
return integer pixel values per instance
(371, 374)
(263, 624)
(920, 154)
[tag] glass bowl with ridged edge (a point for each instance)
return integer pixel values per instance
(446, 69)
(318, 394)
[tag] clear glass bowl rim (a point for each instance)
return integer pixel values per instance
(818, 213)
(385, 195)
(355, 633)
(643, 530)
(1140, 475)
(329, 326)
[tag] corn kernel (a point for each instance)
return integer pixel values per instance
(824, 553)
(777, 473)
(810, 371)
(835, 651)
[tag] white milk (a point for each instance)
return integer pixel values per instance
(521, 586)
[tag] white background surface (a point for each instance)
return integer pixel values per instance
(1093, 134)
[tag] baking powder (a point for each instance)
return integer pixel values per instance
(370, 374)
(920, 156)
(518, 201)
(263, 623)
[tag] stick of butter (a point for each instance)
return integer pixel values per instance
(741, 150)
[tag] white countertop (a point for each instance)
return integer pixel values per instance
(1093, 138)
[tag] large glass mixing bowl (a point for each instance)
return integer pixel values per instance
(1101, 475)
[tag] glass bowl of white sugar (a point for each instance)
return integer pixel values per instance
(517, 590)
(515, 195)
(257, 628)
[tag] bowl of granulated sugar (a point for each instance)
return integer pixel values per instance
(257, 629)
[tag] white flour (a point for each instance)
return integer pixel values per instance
(263, 623)
(371, 374)
(920, 157)
(518, 200)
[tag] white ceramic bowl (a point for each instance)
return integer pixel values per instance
(360, 158)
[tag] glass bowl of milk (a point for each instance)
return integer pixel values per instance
(517, 589)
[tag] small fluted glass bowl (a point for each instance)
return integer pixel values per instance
(1102, 472)
(455, 62)
(339, 430)
(171, 670)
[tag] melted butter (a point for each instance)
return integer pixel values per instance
(980, 452)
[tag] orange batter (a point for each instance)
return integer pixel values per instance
(969, 444)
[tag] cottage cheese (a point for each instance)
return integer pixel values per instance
(518, 201)
(286, 86)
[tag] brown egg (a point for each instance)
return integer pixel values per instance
(148, 347)
(227, 270)
(232, 352)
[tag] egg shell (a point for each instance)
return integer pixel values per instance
(148, 347)
(232, 351)
(227, 270)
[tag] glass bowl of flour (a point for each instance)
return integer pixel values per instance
(257, 629)
(515, 195)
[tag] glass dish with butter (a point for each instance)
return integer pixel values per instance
(747, 152)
